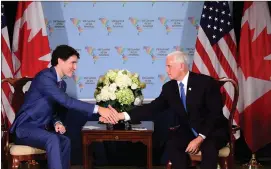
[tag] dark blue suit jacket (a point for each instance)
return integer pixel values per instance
(41, 100)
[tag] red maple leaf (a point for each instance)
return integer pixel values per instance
(252, 54)
(30, 52)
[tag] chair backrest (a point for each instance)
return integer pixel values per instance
(18, 95)
(232, 108)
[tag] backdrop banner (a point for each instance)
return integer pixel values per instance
(122, 35)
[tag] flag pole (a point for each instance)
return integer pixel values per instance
(252, 164)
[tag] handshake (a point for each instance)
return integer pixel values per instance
(110, 115)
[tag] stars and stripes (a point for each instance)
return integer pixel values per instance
(218, 23)
(7, 70)
(215, 53)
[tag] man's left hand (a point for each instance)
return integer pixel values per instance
(102, 119)
(194, 145)
(60, 128)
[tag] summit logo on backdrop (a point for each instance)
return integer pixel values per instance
(141, 24)
(91, 52)
(76, 22)
(83, 81)
(98, 52)
(84, 24)
(188, 50)
(171, 24)
(127, 53)
(53, 25)
(79, 82)
(156, 53)
(111, 24)
(194, 22)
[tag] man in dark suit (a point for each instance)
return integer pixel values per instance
(196, 100)
(46, 93)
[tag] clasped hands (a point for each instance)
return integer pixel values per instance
(110, 115)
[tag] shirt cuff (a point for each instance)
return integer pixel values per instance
(126, 116)
(203, 136)
(58, 122)
(96, 108)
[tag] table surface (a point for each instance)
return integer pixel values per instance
(94, 126)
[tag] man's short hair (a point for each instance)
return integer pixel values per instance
(63, 52)
(180, 57)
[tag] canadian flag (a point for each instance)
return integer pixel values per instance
(255, 75)
(31, 51)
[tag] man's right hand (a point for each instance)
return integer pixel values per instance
(108, 114)
(120, 117)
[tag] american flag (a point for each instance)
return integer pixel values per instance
(7, 70)
(215, 53)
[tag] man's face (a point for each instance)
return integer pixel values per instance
(69, 66)
(173, 69)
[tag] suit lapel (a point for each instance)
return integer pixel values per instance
(63, 83)
(53, 71)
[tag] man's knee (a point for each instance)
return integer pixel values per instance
(209, 149)
(67, 141)
(52, 141)
(170, 145)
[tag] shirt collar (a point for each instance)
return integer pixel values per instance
(58, 77)
(185, 80)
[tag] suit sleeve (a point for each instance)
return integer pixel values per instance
(148, 110)
(56, 119)
(49, 88)
(214, 106)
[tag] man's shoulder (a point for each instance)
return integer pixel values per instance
(201, 77)
(169, 84)
(45, 73)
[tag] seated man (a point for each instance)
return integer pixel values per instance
(197, 101)
(47, 91)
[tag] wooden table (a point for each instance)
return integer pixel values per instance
(94, 132)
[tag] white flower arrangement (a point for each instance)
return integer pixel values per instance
(119, 88)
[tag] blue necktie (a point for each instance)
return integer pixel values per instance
(183, 98)
(59, 84)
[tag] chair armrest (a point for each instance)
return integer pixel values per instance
(174, 128)
(5, 139)
(235, 128)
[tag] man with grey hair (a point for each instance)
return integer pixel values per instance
(196, 101)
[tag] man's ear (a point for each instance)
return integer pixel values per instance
(181, 66)
(59, 60)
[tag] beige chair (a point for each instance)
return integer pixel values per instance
(13, 155)
(226, 154)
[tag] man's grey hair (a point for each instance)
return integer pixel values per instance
(179, 57)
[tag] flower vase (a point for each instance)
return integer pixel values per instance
(121, 125)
